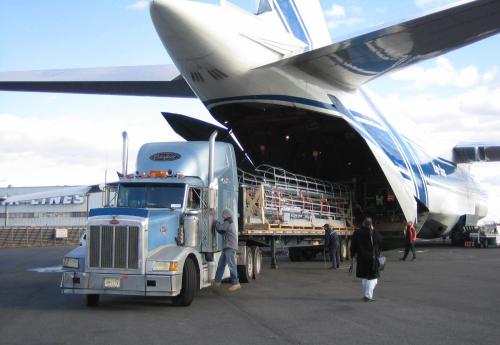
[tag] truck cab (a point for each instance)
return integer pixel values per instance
(158, 240)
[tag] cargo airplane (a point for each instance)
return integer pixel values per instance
(274, 80)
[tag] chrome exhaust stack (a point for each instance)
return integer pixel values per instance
(211, 160)
(125, 153)
(212, 194)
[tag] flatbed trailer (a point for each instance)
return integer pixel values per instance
(277, 205)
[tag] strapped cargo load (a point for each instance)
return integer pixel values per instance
(274, 198)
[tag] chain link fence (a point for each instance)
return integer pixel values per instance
(21, 236)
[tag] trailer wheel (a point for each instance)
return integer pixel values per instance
(294, 254)
(92, 300)
(245, 272)
(307, 254)
(189, 284)
(257, 261)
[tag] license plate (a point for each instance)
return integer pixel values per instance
(111, 282)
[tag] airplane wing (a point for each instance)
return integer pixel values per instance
(355, 61)
(155, 80)
(470, 152)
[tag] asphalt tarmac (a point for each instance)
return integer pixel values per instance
(447, 296)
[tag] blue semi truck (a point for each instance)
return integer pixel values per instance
(158, 238)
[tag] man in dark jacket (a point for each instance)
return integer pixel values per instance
(410, 238)
(228, 256)
(332, 244)
(365, 247)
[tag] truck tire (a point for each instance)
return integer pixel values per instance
(293, 254)
(307, 254)
(189, 284)
(92, 300)
(245, 272)
(257, 261)
(457, 239)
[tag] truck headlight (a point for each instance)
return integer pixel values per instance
(71, 263)
(165, 266)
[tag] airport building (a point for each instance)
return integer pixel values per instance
(52, 206)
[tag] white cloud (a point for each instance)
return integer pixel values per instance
(139, 5)
(337, 16)
(427, 4)
(332, 24)
(438, 123)
(336, 11)
(490, 75)
(76, 148)
(443, 74)
(488, 174)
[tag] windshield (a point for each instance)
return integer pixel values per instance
(151, 195)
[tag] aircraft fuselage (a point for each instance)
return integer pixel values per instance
(219, 54)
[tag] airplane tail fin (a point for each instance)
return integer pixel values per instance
(303, 19)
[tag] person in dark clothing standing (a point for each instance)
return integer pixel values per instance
(332, 243)
(410, 238)
(365, 247)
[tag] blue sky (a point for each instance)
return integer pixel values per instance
(71, 139)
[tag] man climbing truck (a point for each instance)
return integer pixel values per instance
(159, 239)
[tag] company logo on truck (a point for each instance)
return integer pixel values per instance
(165, 156)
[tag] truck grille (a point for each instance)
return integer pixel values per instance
(113, 246)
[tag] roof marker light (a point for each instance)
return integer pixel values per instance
(158, 173)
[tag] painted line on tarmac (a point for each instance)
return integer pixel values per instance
(418, 251)
(52, 269)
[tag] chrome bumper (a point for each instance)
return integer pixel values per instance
(139, 285)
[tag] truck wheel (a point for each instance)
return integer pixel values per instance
(245, 272)
(189, 284)
(92, 300)
(299, 255)
(307, 254)
(257, 261)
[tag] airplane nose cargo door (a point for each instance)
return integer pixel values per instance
(391, 153)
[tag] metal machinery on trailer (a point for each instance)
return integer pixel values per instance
(293, 208)
(159, 239)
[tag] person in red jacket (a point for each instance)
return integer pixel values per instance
(410, 238)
